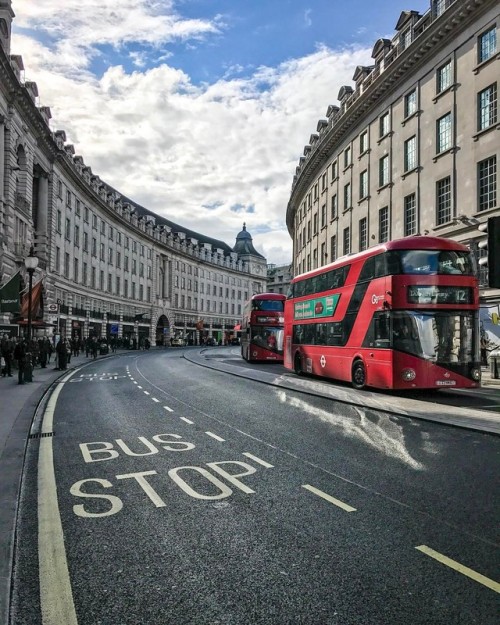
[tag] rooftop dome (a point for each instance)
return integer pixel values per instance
(244, 244)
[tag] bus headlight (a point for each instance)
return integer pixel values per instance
(476, 374)
(408, 375)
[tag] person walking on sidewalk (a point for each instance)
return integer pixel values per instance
(6, 349)
(21, 356)
(62, 354)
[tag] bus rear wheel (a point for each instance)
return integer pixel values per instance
(297, 364)
(358, 375)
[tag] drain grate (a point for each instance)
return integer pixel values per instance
(42, 435)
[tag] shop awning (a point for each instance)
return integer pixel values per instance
(237, 327)
(9, 295)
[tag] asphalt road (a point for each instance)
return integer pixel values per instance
(182, 495)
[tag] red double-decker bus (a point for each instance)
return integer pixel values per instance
(401, 315)
(262, 328)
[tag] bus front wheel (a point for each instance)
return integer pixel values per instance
(297, 364)
(358, 375)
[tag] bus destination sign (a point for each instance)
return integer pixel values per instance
(314, 308)
(433, 294)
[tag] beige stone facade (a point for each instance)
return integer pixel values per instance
(413, 147)
(108, 265)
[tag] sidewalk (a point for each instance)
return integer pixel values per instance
(18, 404)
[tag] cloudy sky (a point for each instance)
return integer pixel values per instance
(198, 109)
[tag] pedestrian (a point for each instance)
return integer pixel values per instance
(484, 351)
(7, 349)
(42, 352)
(94, 347)
(21, 357)
(62, 354)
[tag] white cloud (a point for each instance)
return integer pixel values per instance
(168, 144)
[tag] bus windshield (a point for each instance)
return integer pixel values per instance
(424, 262)
(442, 337)
(268, 304)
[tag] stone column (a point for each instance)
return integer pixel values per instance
(2, 159)
(69, 319)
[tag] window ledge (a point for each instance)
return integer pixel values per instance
(350, 166)
(347, 210)
(417, 113)
(387, 134)
(364, 154)
(439, 95)
(336, 218)
(411, 171)
(479, 66)
(388, 185)
(363, 199)
(451, 150)
(485, 130)
(334, 179)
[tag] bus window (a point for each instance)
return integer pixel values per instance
(379, 331)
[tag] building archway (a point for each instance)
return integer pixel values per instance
(163, 330)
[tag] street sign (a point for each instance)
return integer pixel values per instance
(52, 308)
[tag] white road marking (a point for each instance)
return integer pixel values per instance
(146, 392)
(169, 409)
(187, 420)
(258, 460)
(329, 498)
(135, 382)
(217, 438)
(465, 570)
(138, 386)
(56, 598)
(156, 400)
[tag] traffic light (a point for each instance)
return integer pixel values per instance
(492, 243)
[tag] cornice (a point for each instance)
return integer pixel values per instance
(439, 33)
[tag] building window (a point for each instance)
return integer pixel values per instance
(363, 142)
(77, 207)
(443, 201)
(110, 256)
(102, 254)
(86, 214)
(94, 222)
(94, 246)
(444, 78)
(117, 281)
(93, 277)
(363, 234)
(335, 170)
(410, 103)
(67, 232)
(66, 265)
(315, 223)
(347, 196)
(323, 182)
(59, 189)
(440, 6)
(58, 259)
(103, 227)
(383, 224)
(323, 216)
(383, 171)
(315, 259)
(118, 260)
(410, 214)
(347, 157)
(363, 184)
(487, 183)
(487, 107)
(334, 207)
(384, 126)
(443, 133)
(333, 248)
(110, 283)
(405, 39)
(85, 242)
(68, 199)
(487, 44)
(141, 292)
(101, 280)
(410, 154)
(111, 233)
(77, 235)
(134, 267)
(59, 222)
(85, 274)
(125, 288)
(75, 270)
(323, 256)
(347, 241)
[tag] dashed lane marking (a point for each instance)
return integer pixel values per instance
(258, 460)
(465, 570)
(217, 438)
(156, 400)
(329, 498)
(169, 409)
(187, 420)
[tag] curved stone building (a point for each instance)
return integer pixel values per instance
(413, 146)
(108, 265)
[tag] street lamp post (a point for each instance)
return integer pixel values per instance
(31, 263)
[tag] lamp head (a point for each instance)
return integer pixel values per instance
(31, 261)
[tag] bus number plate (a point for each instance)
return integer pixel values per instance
(445, 383)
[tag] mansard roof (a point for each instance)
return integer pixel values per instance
(244, 245)
(380, 44)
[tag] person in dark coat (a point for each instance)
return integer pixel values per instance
(42, 353)
(21, 357)
(62, 354)
(7, 349)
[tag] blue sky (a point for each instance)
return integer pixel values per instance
(198, 109)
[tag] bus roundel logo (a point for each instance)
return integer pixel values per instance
(322, 361)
